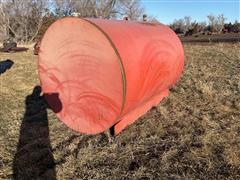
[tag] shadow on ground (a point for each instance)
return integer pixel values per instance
(34, 158)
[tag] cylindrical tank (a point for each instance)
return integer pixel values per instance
(107, 72)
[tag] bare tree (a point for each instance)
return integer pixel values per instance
(23, 18)
(216, 22)
(212, 22)
(182, 25)
(130, 8)
(104, 8)
(187, 23)
(220, 22)
(152, 19)
(100, 8)
(202, 26)
(178, 26)
(90, 8)
(3, 23)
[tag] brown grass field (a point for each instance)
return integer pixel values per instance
(192, 134)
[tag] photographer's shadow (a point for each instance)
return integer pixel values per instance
(34, 158)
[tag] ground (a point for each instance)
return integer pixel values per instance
(193, 134)
(227, 37)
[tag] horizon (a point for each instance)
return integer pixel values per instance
(168, 11)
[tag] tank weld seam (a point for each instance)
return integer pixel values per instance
(119, 61)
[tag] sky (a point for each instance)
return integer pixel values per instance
(168, 10)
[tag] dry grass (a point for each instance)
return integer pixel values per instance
(193, 134)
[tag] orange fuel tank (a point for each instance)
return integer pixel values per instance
(107, 72)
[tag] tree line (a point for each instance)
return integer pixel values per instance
(25, 20)
(215, 24)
